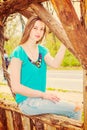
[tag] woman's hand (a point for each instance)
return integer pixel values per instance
(51, 96)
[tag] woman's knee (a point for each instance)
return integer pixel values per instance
(78, 107)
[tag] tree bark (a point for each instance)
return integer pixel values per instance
(85, 97)
(78, 38)
(73, 28)
(27, 12)
(83, 8)
(12, 6)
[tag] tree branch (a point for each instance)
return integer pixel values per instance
(12, 6)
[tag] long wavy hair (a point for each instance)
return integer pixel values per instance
(28, 27)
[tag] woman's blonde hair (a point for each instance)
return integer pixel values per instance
(28, 28)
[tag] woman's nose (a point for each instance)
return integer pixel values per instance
(38, 31)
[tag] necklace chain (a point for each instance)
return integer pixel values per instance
(39, 59)
(38, 62)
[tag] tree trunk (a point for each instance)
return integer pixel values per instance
(12, 6)
(85, 97)
(82, 9)
(73, 28)
(2, 40)
(78, 38)
(83, 6)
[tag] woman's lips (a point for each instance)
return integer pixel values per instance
(37, 36)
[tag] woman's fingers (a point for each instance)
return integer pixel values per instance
(52, 97)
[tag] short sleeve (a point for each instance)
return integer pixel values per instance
(17, 53)
(43, 50)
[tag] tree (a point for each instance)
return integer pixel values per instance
(70, 32)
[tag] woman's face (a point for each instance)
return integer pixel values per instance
(37, 31)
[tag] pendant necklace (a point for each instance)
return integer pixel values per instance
(38, 62)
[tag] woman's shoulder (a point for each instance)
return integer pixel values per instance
(17, 52)
(17, 49)
(43, 50)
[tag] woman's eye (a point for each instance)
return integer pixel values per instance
(42, 29)
(35, 28)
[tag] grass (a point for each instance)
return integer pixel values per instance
(70, 68)
(6, 96)
(2, 84)
(67, 68)
(62, 90)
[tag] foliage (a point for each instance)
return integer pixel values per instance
(13, 31)
(70, 60)
(53, 44)
(6, 96)
(11, 44)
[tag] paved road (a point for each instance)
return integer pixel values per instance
(67, 79)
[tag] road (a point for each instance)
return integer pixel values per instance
(67, 79)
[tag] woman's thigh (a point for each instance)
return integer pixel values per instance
(34, 106)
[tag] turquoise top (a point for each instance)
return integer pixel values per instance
(31, 76)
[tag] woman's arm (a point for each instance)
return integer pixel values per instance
(56, 61)
(14, 71)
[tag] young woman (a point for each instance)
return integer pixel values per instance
(28, 68)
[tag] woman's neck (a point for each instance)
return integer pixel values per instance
(31, 44)
(31, 49)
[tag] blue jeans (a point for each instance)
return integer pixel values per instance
(34, 106)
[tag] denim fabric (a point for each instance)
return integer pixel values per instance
(34, 106)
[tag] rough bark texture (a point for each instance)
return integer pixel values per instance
(27, 12)
(83, 6)
(85, 97)
(76, 35)
(12, 119)
(73, 28)
(12, 6)
(83, 11)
